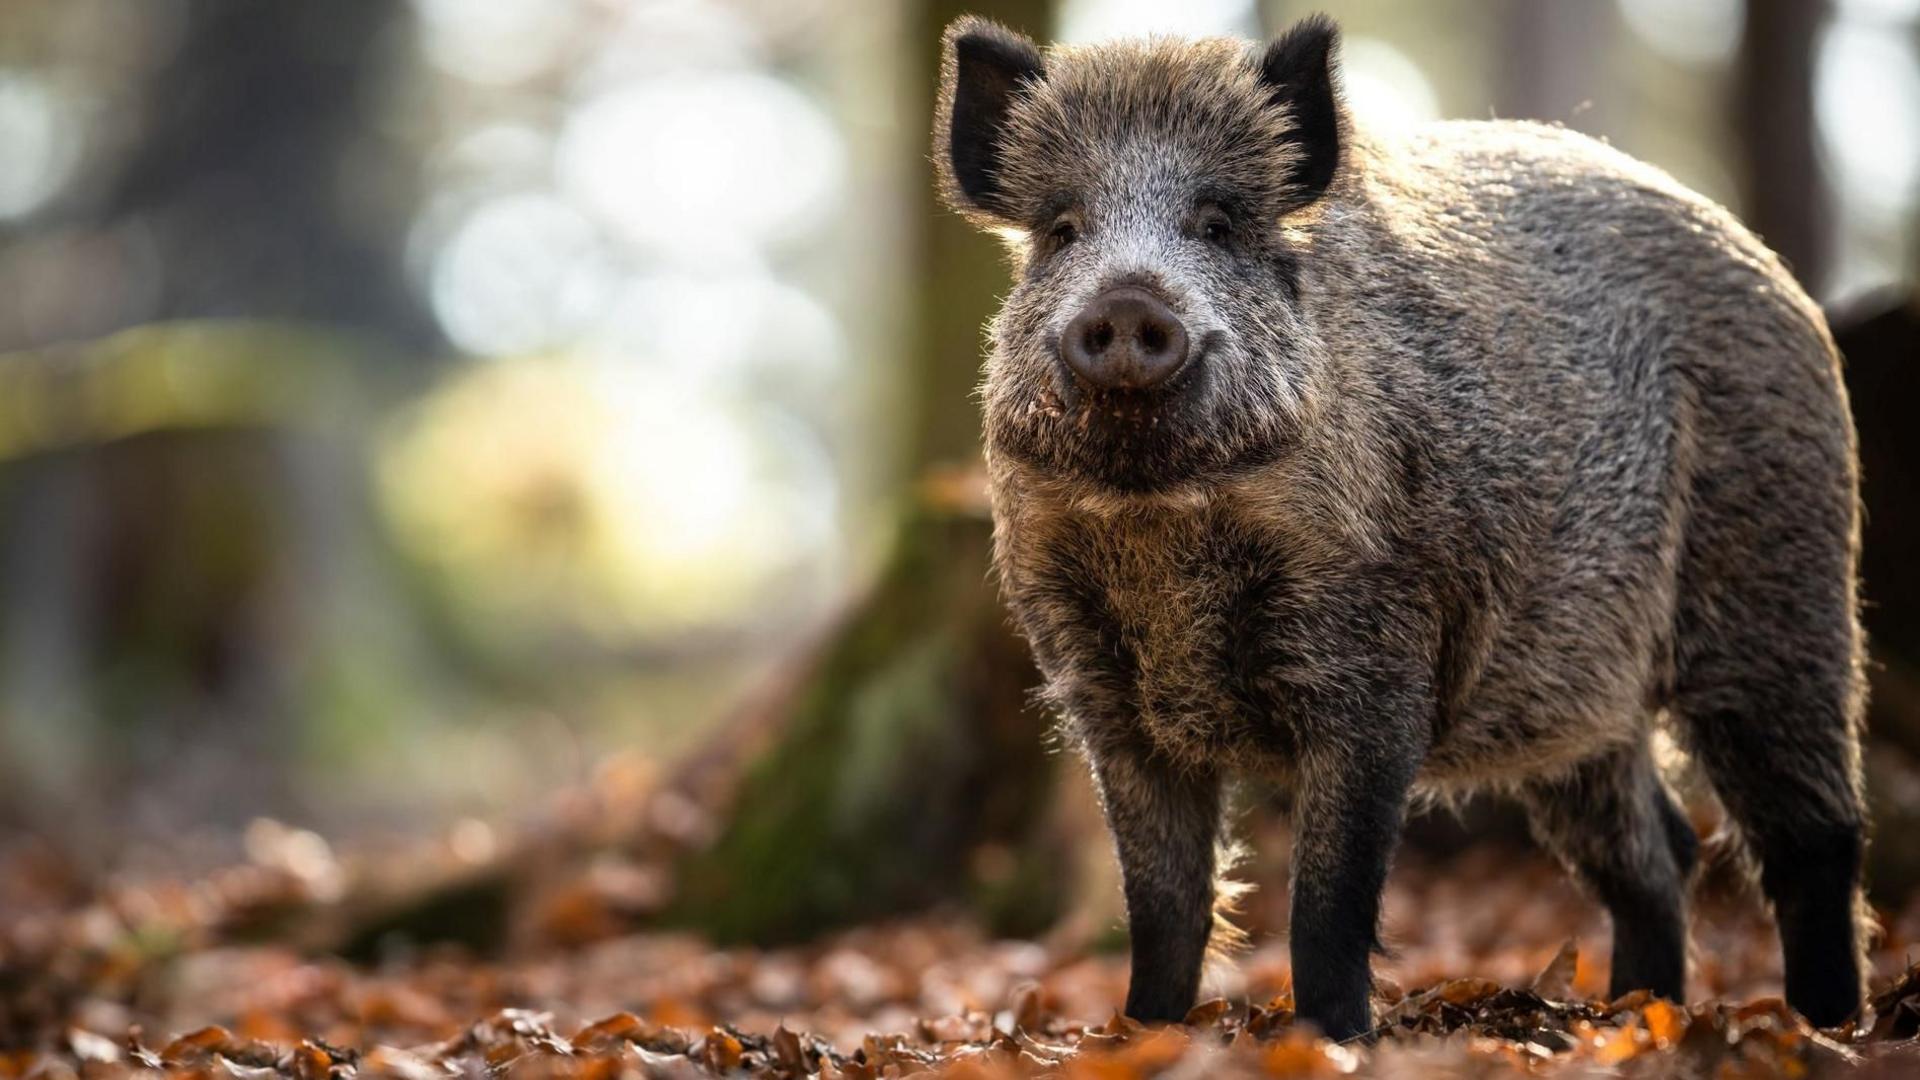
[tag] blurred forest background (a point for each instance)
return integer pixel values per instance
(409, 410)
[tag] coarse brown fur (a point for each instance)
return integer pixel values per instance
(1497, 447)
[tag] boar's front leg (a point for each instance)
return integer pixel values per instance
(1165, 820)
(1348, 805)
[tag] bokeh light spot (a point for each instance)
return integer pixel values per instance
(37, 132)
(702, 163)
(1384, 85)
(496, 42)
(1867, 100)
(1687, 31)
(520, 273)
(1097, 20)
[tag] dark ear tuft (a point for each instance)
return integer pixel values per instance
(983, 69)
(1298, 68)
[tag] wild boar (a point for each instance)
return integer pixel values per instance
(1402, 464)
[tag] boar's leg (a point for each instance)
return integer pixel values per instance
(1612, 822)
(1348, 807)
(1769, 672)
(1165, 821)
(1789, 780)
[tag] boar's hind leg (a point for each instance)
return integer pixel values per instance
(1789, 779)
(1768, 701)
(1617, 829)
(1793, 795)
(1768, 666)
(1768, 695)
(1165, 821)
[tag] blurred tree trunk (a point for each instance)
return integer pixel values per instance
(905, 765)
(1553, 57)
(1785, 196)
(1880, 339)
(170, 577)
(905, 768)
(259, 175)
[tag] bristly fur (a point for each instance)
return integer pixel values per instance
(1495, 445)
(1228, 939)
(1293, 68)
(973, 112)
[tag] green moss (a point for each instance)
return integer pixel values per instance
(906, 748)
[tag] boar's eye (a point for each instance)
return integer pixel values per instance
(1217, 228)
(1062, 233)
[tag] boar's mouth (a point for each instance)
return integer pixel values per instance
(1134, 441)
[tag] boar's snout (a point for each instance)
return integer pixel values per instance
(1125, 339)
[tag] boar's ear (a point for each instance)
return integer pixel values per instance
(1297, 68)
(983, 69)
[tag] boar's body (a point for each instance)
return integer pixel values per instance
(1493, 447)
(1568, 408)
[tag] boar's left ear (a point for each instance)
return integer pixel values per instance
(984, 67)
(1297, 68)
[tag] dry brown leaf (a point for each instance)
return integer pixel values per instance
(1026, 1007)
(1555, 981)
(787, 1050)
(1117, 1024)
(720, 1051)
(1464, 992)
(1630, 1002)
(1665, 1021)
(239, 1071)
(309, 1062)
(1618, 1045)
(87, 1046)
(196, 1044)
(621, 1026)
(1207, 1013)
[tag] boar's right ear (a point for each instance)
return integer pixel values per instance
(1297, 68)
(983, 69)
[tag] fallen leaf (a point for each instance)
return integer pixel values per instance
(787, 1050)
(1555, 981)
(1207, 1013)
(1665, 1021)
(720, 1051)
(1465, 992)
(195, 1044)
(1026, 1007)
(90, 1047)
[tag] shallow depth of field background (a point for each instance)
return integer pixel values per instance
(408, 409)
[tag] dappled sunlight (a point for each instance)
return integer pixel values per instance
(1688, 31)
(700, 164)
(642, 451)
(1867, 103)
(38, 128)
(732, 329)
(1867, 96)
(502, 575)
(594, 487)
(1386, 85)
(521, 273)
(1093, 20)
(499, 41)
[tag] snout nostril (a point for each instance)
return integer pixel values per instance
(1125, 339)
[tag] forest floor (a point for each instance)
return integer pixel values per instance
(294, 963)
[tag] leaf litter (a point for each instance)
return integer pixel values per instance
(238, 974)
